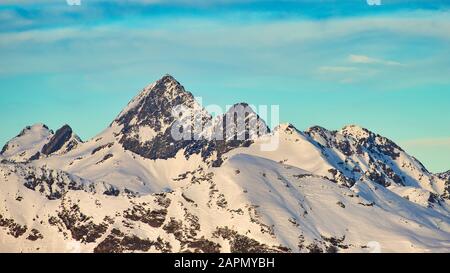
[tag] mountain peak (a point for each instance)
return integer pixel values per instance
(39, 125)
(164, 92)
(35, 128)
(29, 141)
(168, 77)
(355, 131)
(285, 127)
(167, 81)
(146, 123)
(243, 104)
(241, 108)
(317, 130)
(242, 115)
(63, 139)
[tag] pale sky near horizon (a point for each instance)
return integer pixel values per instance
(328, 63)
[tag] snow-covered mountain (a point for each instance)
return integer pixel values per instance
(38, 140)
(27, 143)
(146, 123)
(134, 187)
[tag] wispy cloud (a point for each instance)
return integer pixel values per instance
(55, 13)
(112, 46)
(362, 59)
(321, 47)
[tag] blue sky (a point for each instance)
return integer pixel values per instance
(327, 63)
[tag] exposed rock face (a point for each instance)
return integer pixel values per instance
(59, 140)
(366, 154)
(52, 184)
(148, 120)
(238, 127)
(445, 175)
(372, 142)
(240, 122)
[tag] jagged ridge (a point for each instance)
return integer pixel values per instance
(129, 190)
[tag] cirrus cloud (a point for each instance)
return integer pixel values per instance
(362, 59)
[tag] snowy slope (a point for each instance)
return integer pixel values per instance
(103, 159)
(134, 188)
(38, 141)
(26, 144)
(287, 196)
(136, 153)
(249, 204)
(351, 155)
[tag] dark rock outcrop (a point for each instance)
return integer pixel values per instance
(444, 175)
(238, 127)
(152, 109)
(59, 139)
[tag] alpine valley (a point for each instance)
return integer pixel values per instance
(133, 188)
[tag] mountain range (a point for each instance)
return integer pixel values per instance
(133, 188)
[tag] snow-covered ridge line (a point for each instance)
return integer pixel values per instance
(38, 140)
(132, 188)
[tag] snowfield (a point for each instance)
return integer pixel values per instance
(134, 189)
